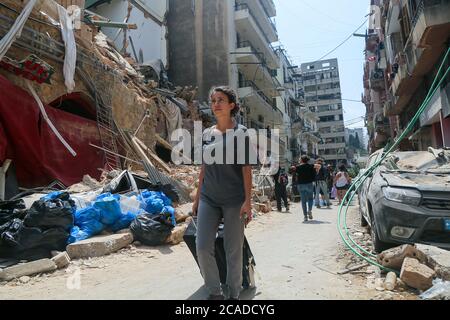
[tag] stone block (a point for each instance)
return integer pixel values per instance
(99, 246)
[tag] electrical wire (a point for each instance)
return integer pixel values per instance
(342, 43)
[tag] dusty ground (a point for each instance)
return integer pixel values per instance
(294, 261)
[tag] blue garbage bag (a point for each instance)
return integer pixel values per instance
(123, 222)
(76, 234)
(87, 224)
(109, 208)
(170, 210)
(87, 214)
(154, 201)
(52, 195)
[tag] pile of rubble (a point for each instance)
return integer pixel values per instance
(421, 267)
(78, 242)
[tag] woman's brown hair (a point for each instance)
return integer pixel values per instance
(232, 97)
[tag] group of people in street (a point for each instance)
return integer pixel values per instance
(316, 183)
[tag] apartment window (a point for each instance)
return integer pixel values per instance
(327, 118)
(325, 65)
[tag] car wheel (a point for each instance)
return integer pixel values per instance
(378, 245)
(364, 222)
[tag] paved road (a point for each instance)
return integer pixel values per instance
(295, 260)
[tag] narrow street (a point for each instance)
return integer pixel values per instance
(294, 261)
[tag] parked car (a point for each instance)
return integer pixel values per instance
(407, 199)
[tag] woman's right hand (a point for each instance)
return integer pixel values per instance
(194, 208)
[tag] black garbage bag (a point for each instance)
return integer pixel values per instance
(151, 230)
(52, 213)
(30, 243)
(10, 210)
(16, 235)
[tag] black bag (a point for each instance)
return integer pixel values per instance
(151, 230)
(10, 210)
(248, 261)
(54, 213)
(30, 243)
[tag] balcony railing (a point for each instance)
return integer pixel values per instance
(244, 6)
(248, 83)
(248, 44)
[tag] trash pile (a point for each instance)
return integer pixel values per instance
(60, 218)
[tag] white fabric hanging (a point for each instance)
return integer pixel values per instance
(70, 59)
(16, 30)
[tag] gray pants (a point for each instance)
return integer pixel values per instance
(322, 185)
(207, 224)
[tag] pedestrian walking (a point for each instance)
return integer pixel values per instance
(321, 183)
(281, 181)
(305, 178)
(224, 192)
(342, 182)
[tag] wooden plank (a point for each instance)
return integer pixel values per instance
(154, 156)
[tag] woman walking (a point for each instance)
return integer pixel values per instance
(342, 181)
(224, 192)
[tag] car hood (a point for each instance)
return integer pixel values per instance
(420, 181)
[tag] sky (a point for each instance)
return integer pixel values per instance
(309, 29)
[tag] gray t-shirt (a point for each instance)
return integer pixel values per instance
(223, 183)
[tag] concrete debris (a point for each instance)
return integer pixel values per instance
(263, 207)
(123, 231)
(416, 274)
(99, 246)
(390, 281)
(27, 269)
(24, 279)
(61, 260)
(437, 259)
(177, 233)
(393, 258)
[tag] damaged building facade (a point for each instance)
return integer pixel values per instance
(68, 94)
(217, 42)
(405, 44)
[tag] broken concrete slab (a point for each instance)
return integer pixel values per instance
(416, 274)
(393, 258)
(437, 259)
(61, 260)
(177, 233)
(99, 246)
(27, 269)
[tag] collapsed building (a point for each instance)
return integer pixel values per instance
(69, 96)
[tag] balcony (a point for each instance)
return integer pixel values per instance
(377, 80)
(430, 29)
(261, 16)
(270, 8)
(248, 28)
(331, 146)
(330, 123)
(251, 64)
(258, 102)
(431, 23)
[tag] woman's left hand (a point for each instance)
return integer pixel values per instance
(246, 211)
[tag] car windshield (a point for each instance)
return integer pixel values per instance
(435, 161)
